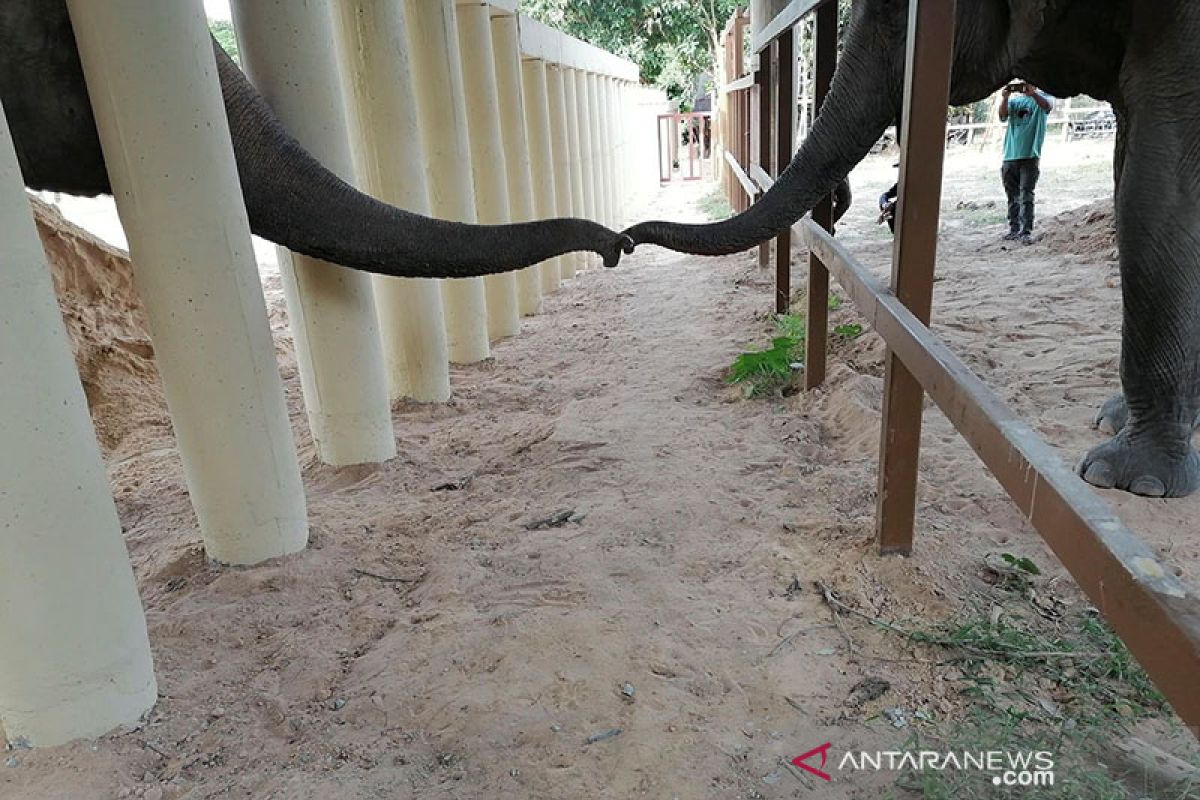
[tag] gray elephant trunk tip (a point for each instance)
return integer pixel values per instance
(624, 244)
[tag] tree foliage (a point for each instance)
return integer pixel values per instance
(671, 40)
(222, 31)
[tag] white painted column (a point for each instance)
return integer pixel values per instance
(487, 154)
(158, 107)
(390, 162)
(616, 121)
(507, 47)
(74, 656)
(600, 136)
(288, 53)
(561, 150)
(587, 153)
(541, 157)
(608, 148)
(442, 111)
(578, 205)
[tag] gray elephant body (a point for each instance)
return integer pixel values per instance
(290, 198)
(1141, 57)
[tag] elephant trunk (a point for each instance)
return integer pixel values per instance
(294, 201)
(856, 113)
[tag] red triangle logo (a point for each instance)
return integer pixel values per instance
(823, 751)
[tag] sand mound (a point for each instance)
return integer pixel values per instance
(108, 330)
(1089, 230)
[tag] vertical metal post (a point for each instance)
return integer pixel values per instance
(816, 345)
(923, 138)
(765, 127)
(784, 115)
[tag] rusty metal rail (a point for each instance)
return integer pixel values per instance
(1156, 614)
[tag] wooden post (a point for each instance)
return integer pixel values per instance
(507, 46)
(290, 57)
(764, 132)
(541, 157)
(162, 124)
(816, 345)
(74, 656)
(926, 96)
(784, 115)
(442, 111)
(373, 36)
(487, 155)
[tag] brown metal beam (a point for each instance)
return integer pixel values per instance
(1156, 615)
(786, 20)
(749, 187)
(785, 113)
(923, 150)
(816, 345)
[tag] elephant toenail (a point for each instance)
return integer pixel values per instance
(1098, 473)
(1105, 425)
(1148, 486)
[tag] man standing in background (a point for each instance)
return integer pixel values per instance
(1025, 110)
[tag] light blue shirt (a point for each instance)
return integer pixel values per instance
(1026, 128)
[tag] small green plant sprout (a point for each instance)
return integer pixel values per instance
(1023, 564)
(852, 331)
(835, 302)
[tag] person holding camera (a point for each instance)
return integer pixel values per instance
(1025, 109)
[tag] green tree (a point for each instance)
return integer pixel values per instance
(222, 31)
(672, 41)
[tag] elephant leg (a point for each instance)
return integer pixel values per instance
(1158, 220)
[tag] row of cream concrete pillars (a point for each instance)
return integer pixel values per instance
(457, 109)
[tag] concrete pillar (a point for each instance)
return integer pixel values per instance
(616, 106)
(587, 153)
(487, 154)
(605, 151)
(390, 164)
(578, 205)
(151, 76)
(288, 53)
(541, 157)
(442, 111)
(74, 656)
(507, 46)
(596, 115)
(561, 150)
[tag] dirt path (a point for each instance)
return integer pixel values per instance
(431, 645)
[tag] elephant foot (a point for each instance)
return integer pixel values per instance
(1112, 416)
(1143, 465)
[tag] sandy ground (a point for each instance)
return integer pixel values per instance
(436, 642)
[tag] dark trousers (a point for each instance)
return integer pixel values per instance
(1020, 183)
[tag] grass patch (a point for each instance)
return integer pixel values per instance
(1069, 687)
(714, 206)
(768, 371)
(762, 372)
